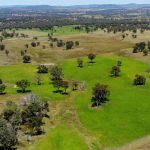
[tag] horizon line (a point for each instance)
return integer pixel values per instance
(76, 5)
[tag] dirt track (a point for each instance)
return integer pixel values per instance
(140, 144)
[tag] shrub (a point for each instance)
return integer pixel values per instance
(2, 47)
(23, 84)
(26, 59)
(115, 72)
(139, 80)
(119, 63)
(2, 88)
(91, 57)
(77, 43)
(1, 81)
(69, 45)
(33, 44)
(42, 69)
(145, 52)
(80, 62)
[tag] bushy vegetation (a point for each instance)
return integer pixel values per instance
(30, 114)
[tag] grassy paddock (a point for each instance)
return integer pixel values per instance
(126, 116)
(12, 73)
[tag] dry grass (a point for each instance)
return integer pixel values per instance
(94, 42)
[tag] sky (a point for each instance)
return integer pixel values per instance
(69, 2)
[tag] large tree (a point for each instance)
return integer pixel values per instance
(100, 94)
(33, 113)
(56, 73)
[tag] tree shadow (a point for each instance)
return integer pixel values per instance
(57, 91)
(3, 93)
(26, 91)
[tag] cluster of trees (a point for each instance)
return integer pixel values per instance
(28, 115)
(91, 58)
(56, 75)
(6, 34)
(142, 47)
(61, 43)
(3, 48)
(115, 71)
(100, 92)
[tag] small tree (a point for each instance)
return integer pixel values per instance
(65, 85)
(26, 59)
(145, 52)
(115, 72)
(38, 79)
(77, 43)
(75, 85)
(91, 57)
(57, 84)
(42, 69)
(100, 94)
(33, 44)
(23, 84)
(7, 52)
(139, 80)
(26, 45)
(56, 73)
(69, 45)
(1, 81)
(119, 63)
(2, 87)
(2, 47)
(80, 62)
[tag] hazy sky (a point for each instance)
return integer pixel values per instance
(69, 2)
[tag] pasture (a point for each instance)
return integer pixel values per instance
(73, 123)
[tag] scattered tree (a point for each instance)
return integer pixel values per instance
(100, 94)
(80, 62)
(42, 69)
(91, 57)
(115, 72)
(23, 84)
(26, 59)
(139, 80)
(56, 73)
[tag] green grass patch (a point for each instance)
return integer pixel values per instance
(126, 116)
(12, 73)
(61, 138)
(122, 119)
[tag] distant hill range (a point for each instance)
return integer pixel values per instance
(95, 6)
